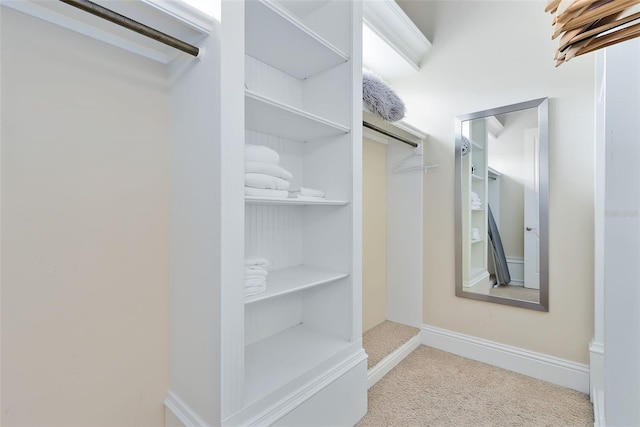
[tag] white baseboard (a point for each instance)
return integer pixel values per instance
(598, 407)
(596, 367)
(537, 365)
(483, 277)
(349, 374)
(516, 270)
(182, 412)
(383, 367)
(275, 408)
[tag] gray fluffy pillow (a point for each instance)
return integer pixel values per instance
(381, 99)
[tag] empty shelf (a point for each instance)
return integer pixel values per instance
(477, 177)
(276, 360)
(294, 279)
(293, 202)
(269, 116)
(276, 37)
(477, 241)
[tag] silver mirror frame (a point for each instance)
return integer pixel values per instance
(542, 104)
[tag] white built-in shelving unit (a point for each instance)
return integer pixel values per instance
(285, 74)
(301, 71)
(475, 178)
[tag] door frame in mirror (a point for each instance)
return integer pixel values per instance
(542, 105)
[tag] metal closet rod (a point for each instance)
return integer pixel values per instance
(123, 21)
(389, 134)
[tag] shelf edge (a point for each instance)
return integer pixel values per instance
(292, 19)
(262, 297)
(277, 104)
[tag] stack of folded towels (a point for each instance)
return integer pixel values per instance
(476, 203)
(264, 177)
(307, 194)
(255, 276)
(475, 234)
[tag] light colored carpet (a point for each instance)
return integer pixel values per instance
(516, 292)
(434, 388)
(384, 338)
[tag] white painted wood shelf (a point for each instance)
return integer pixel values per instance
(281, 358)
(477, 241)
(266, 115)
(293, 202)
(295, 279)
(278, 38)
(477, 177)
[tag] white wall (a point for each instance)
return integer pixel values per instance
(488, 54)
(85, 296)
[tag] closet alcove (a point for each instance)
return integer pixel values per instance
(393, 177)
(393, 174)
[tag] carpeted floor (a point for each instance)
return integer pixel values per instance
(384, 338)
(516, 292)
(438, 389)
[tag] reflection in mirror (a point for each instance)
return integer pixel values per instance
(502, 204)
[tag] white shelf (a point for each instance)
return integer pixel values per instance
(294, 279)
(293, 202)
(279, 359)
(477, 210)
(272, 117)
(278, 38)
(477, 177)
(477, 241)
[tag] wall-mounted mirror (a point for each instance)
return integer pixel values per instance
(502, 198)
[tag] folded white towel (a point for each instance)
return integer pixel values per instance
(474, 196)
(268, 169)
(261, 262)
(264, 192)
(260, 153)
(254, 290)
(254, 286)
(255, 274)
(261, 180)
(475, 234)
(308, 192)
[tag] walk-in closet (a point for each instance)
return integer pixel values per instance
(260, 128)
